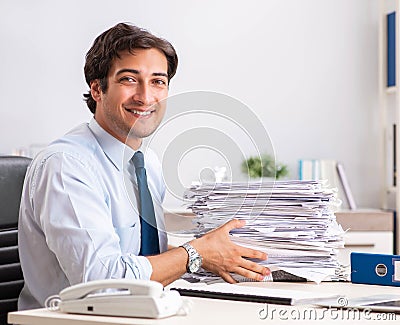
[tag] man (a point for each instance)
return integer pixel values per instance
(77, 221)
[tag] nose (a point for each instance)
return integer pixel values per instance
(143, 94)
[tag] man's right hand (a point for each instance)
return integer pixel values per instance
(221, 256)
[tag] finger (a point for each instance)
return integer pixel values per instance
(233, 224)
(252, 253)
(254, 267)
(249, 274)
(227, 277)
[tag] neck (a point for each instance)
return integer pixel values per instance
(133, 143)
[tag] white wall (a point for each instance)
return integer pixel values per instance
(307, 68)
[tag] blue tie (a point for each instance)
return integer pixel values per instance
(149, 244)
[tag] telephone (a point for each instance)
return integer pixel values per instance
(131, 298)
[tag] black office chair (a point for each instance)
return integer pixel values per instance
(12, 173)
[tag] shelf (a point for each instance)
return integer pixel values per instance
(366, 220)
(389, 103)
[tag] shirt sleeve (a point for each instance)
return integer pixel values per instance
(70, 203)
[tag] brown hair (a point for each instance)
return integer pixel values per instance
(111, 43)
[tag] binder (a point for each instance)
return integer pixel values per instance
(391, 50)
(380, 269)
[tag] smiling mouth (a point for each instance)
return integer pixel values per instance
(140, 113)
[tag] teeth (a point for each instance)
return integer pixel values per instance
(141, 113)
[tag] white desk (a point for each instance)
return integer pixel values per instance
(213, 311)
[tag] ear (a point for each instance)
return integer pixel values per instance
(95, 90)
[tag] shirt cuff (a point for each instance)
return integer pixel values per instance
(138, 267)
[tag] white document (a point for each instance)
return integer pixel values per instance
(292, 221)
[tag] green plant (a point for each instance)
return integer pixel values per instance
(264, 166)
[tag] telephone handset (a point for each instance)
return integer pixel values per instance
(135, 287)
(131, 298)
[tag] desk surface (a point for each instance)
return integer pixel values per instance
(212, 311)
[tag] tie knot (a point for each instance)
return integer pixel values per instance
(138, 159)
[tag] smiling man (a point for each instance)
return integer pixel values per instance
(137, 87)
(78, 221)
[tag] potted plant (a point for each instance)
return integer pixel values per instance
(264, 166)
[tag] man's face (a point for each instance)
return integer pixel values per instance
(137, 85)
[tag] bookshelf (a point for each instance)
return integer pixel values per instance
(389, 103)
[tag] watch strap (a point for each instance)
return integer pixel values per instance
(193, 254)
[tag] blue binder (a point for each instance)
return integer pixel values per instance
(391, 50)
(381, 269)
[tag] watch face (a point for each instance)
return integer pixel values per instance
(195, 264)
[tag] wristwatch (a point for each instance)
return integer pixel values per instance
(195, 259)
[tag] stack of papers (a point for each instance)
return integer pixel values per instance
(292, 221)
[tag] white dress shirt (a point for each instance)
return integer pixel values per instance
(78, 221)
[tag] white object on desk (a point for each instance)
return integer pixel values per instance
(134, 298)
(228, 291)
(214, 311)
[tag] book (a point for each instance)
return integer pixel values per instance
(318, 169)
(394, 156)
(346, 187)
(305, 169)
(329, 172)
(391, 49)
(333, 172)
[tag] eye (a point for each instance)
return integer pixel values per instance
(160, 82)
(127, 80)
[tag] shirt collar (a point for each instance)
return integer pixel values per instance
(118, 153)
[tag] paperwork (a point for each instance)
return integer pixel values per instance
(292, 221)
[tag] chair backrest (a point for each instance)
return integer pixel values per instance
(12, 174)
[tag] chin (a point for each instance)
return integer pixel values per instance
(141, 133)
